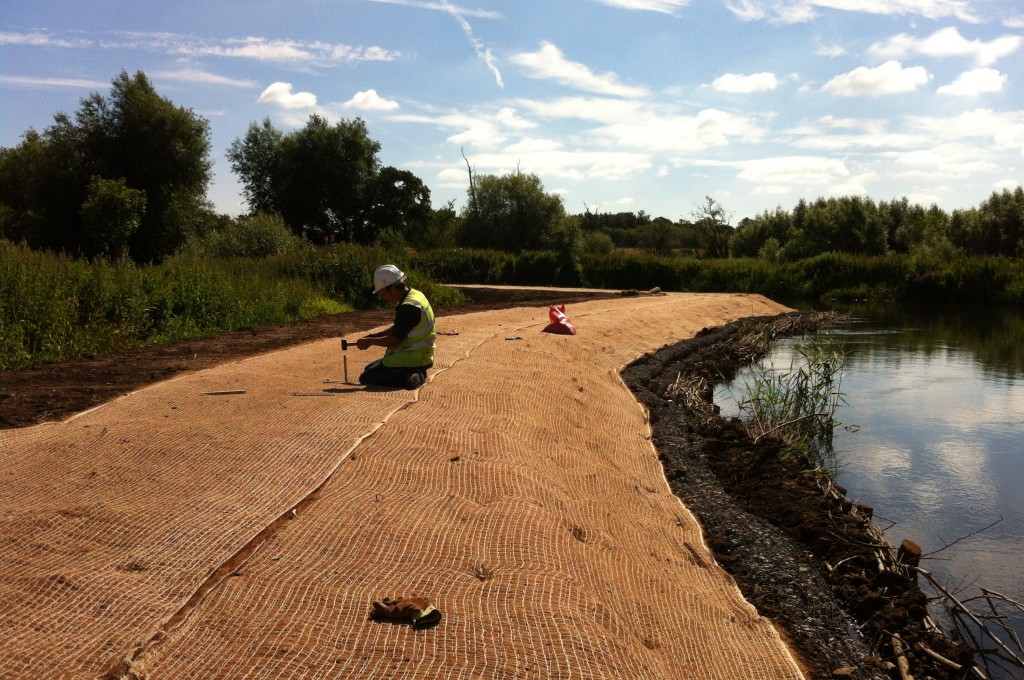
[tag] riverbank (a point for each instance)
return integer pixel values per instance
(776, 550)
(799, 551)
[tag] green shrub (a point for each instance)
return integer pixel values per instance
(252, 236)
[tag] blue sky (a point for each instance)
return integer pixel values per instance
(617, 105)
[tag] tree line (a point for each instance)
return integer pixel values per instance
(127, 175)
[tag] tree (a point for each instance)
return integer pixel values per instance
(712, 222)
(441, 229)
(158, 148)
(252, 236)
(134, 136)
(398, 200)
(1002, 221)
(752, 234)
(510, 213)
(256, 159)
(911, 227)
(111, 214)
(660, 236)
(319, 178)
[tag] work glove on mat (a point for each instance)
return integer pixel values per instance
(415, 610)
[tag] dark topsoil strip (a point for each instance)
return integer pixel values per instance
(805, 560)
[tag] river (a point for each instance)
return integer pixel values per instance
(933, 436)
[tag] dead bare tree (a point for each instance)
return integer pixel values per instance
(712, 221)
(472, 181)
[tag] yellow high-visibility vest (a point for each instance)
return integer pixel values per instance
(418, 347)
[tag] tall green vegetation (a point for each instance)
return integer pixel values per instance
(861, 226)
(797, 405)
(54, 307)
(253, 236)
(126, 175)
(994, 227)
(326, 182)
(513, 213)
(510, 212)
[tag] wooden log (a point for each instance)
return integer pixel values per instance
(865, 511)
(901, 658)
(921, 647)
(909, 554)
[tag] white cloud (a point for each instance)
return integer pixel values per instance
(950, 160)
(757, 82)
(1006, 185)
(39, 39)
(631, 124)
(855, 186)
(948, 42)
(931, 9)
(856, 135)
(287, 51)
(31, 81)
(677, 133)
(830, 51)
(1006, 129)
(567, 164)
(1011, 137)
(482, 130)
(550, 63)
(585, 108)
(973, 83)
(889, 78)
(281, 94)
(194, 75)
(369, 101)
(793, 171)
(1014, 22)
(533, 144)
(479, 136)
(507, 116)
(799, 11)
(861, 142)
(665, 6)
(443, 6)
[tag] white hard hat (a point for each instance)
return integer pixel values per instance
(385, 276)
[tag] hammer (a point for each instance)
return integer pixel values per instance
(344, 357)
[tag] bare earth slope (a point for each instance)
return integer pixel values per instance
(518, 490)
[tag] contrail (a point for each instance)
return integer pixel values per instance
(460, 15)
(481, 50)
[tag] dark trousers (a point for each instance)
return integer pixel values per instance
(376, 373)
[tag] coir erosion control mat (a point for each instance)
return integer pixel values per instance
(241, 521)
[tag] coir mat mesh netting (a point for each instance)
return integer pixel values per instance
(239, 522)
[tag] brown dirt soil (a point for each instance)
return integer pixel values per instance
(766, 520)
(55, 391)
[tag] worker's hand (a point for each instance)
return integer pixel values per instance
(363, 343)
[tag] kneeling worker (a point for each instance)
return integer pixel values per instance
(409, 342)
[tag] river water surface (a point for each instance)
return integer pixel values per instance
(934, 436)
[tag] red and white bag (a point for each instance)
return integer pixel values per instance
(560, 323)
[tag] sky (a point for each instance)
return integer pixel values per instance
(616, 105)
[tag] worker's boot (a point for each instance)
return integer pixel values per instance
(415, 610)
(415, 379)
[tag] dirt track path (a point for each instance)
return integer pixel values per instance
(517, 489)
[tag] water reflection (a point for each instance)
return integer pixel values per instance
(939, 400)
